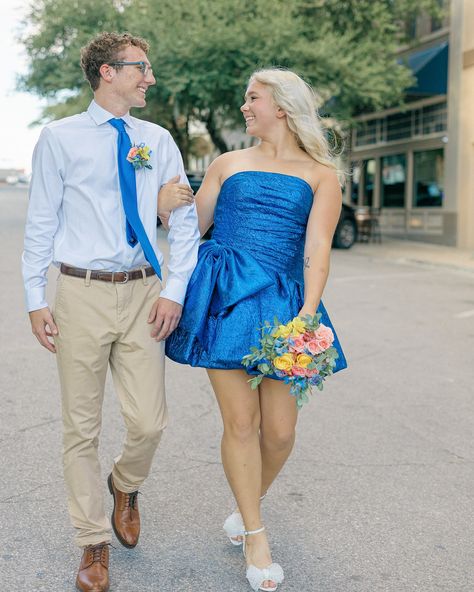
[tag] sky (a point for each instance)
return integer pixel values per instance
(17, 110)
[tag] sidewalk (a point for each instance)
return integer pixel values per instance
(401, 251)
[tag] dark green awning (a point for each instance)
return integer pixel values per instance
(430, 68)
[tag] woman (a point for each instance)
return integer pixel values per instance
(275, 207)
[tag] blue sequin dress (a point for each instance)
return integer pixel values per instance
(250, 271)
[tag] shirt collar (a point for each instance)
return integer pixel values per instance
(99, 115)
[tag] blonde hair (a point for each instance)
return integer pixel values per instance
(300, 103)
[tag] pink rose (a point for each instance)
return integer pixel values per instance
(133, 152)
(324, 333)
(314, 347)
(324, 344)
(298, 344)
(324, 336)
(298, 371)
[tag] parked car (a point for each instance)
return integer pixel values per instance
(344, 236)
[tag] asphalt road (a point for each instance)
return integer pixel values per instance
(377, 496)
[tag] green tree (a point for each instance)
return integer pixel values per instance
(203, 52)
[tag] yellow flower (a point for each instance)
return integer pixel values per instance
(144, 153)
(303, 360)
(292, 329)
(282, 331)
(284, 362)
(299, 326)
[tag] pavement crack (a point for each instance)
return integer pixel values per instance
(12, 498)
(206, 462)
(206, 412)
(186, 469)
(39, 425)
(455, 455)
(201, 460)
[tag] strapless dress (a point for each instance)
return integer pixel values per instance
(249, 272)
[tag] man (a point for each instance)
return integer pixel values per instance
(93, 212)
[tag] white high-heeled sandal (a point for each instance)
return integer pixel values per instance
(234, 526)
(256, 575)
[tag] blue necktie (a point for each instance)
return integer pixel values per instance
(128, 187)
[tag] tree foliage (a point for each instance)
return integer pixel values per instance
(203, 52)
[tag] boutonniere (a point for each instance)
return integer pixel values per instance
(139, 155)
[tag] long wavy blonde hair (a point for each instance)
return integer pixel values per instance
(300, 103)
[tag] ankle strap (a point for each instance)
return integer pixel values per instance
(247, 532)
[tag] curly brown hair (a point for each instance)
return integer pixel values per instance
(105, 48)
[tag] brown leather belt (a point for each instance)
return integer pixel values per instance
(117, 277)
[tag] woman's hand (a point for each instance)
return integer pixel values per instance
(173, 195)
(307, 310)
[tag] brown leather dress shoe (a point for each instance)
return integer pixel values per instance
(125, 517)
(93, 574)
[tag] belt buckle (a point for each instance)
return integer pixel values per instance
(124, 281)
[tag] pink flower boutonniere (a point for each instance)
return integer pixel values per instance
(139, 155)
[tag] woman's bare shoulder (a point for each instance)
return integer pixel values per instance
(322, 174)
(228, 163)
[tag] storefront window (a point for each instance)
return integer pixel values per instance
(369, 180)
(355, 180)
(437, 22)
(428, 182)
(393, 181)
(410, 28)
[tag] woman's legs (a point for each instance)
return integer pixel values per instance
(277, 427)
(241, 456)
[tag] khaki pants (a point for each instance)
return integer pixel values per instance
(102, 323)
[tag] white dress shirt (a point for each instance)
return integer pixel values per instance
(75, 212)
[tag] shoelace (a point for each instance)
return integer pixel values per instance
(130, 500)
(98, 552)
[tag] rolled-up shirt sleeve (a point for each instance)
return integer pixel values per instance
(45, 197)
(183, 235)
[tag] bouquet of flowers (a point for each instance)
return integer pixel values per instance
(139, 155)
(300, 352)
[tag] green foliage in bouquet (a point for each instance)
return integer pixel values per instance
(300, 352)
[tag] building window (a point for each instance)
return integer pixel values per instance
(428, 182)
(411, 123)
(410, 28)
(366, 133)
(393, 181)
(398, 126)
(438, 22)
(369, 180)
(434, 118)
(355, 180)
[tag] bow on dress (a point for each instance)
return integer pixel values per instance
(226, 276)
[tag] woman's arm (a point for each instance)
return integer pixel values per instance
(172, 195)
(322, 223)
(206, 197)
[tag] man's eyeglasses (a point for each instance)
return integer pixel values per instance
(144, 67)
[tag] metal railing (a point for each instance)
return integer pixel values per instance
(413, 123)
